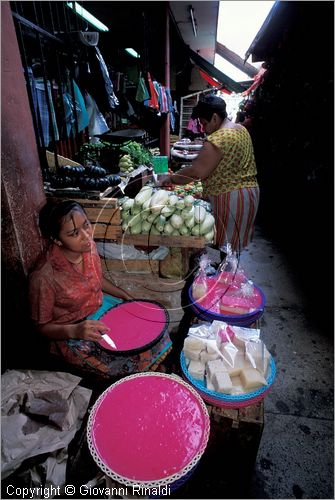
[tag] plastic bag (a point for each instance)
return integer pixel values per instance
(226, 358)
(199, 285)
(239, 295)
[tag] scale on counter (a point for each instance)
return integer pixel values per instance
(116, 140)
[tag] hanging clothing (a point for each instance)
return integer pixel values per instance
(77, 106)
(153, 101)
(171, 109)
(194, 126)
(42, 108)
(97, 124)
(142, 93)
(35, 104)
(112, 99)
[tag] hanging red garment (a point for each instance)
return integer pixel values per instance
(153, 101)
(211, 81)
(257, 81)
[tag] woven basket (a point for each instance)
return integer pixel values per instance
(61, 161)
(227, 400)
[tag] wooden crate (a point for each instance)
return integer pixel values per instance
(168, 241)
(104, 215)
(226, 468)
(105, 218)
(130, 266)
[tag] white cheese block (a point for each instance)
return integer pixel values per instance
(209, 385)
(254, 354)
(215, 366)
(222, 383)
(193, 355)
(239, 363)
(252, 379)
(237, 386)
(194, 343)
(197, 370)
(205, 357)
(212, 347)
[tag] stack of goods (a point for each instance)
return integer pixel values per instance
(136, 155)
(228, 365)
(226, 296)
(158, 212)
(126, 164)
(186, 150)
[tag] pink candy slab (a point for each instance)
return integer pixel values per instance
(134, 325)
(218, 292)
(148, 427)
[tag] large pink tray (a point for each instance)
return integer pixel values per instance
(135, 325)
(149, 429)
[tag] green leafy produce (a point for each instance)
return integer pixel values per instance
(138, 153)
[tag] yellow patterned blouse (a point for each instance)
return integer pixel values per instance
(237, 169)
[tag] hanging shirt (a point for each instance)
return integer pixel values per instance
(42, 108)
(153, 101)
(142, 93)
(59, 292)
(171, 109)
(79, 105)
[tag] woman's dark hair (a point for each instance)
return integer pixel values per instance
(52, 214)
(209, 105)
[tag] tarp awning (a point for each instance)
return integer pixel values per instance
(211, 70)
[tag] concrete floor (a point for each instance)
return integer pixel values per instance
(296, 456)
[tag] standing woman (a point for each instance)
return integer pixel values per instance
(66, 296)
(226, 166)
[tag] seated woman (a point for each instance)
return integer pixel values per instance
(66, 296)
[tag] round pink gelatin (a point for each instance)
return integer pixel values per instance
(148, 428)
(134, 324)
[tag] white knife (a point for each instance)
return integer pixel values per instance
(108, 340)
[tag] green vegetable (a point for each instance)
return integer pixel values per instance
(138, 153)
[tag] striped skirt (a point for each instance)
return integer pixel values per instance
(235, 214)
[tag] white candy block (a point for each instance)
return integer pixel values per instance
(205, 357)
(197, 370)
(194, 343)
(252, 379)
(193, 355)
(239, 363)
(212, 347)
(222, 383)
(209, 385)
(215, 366)
(237, 386)
(254, 354)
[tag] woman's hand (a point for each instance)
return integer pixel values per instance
(89, 329)
(164, 180)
